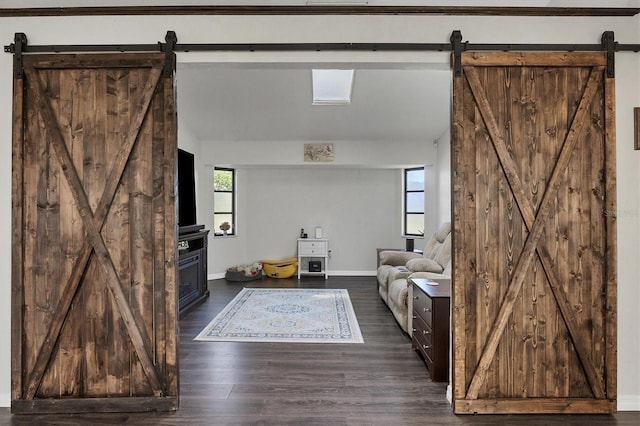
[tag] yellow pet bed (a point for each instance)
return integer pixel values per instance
(284, 268)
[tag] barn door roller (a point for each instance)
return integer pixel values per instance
(170, 61)
(456, 47)
(17, 47)
(609, 45)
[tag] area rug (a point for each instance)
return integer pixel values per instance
(286, 315)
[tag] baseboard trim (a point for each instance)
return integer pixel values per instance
(353, 273)
(220, 275)
(629, 403)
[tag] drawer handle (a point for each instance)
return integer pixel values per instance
(425, 346)
(414, 330)
(414, 317)
(415, 298)
(426, 309)
(425, 332)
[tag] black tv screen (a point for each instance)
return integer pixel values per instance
(186, 189)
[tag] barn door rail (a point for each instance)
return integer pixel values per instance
(203, 47)
(456, 46)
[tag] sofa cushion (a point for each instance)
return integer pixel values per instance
(397, 258)
(424, 265)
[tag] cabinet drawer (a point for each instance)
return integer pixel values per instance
(422, 336)
(423, 330)
(423, 306)
(311, 248)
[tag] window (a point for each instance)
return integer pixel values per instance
(332, 87)
(224, 201)
(414, 201)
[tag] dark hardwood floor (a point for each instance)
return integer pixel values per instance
(380, 382)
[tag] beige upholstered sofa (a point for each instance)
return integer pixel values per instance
(397, 266)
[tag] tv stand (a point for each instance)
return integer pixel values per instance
(192, 267)
(190, 229)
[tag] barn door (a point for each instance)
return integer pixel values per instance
(94, 234)
(534, 234)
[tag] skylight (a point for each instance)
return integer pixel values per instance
(332, 87)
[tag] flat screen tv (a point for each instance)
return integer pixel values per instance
(186, 189)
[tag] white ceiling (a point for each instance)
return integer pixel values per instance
(243, 104)
(239, 103)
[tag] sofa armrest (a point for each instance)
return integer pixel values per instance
(397, 258)
(429, 276)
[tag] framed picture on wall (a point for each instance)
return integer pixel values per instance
(318, 152)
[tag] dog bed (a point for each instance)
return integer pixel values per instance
(244, 272)
(284, 268)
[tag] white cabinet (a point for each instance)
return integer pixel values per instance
(313, 250)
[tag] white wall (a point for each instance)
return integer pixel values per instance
(493, 29)
(628, 222)
(362, 207)
(353, 207)
(346, 153)
(443, 165)
(187, 139)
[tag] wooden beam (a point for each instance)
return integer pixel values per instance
(533, 59)
(172, 374)
(320, 10)
(537, 406)
(17, 223)
(610, 203)
(94, 405)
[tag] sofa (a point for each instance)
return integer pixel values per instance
(396, 266)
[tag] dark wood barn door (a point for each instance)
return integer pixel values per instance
(534, 305)
(94, 234)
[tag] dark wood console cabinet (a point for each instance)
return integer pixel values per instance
(430, 329)
(192, 268)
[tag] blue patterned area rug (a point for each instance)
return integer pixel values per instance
(286, 315)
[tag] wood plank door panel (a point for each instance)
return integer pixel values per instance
(534, 250)
(94, 305)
